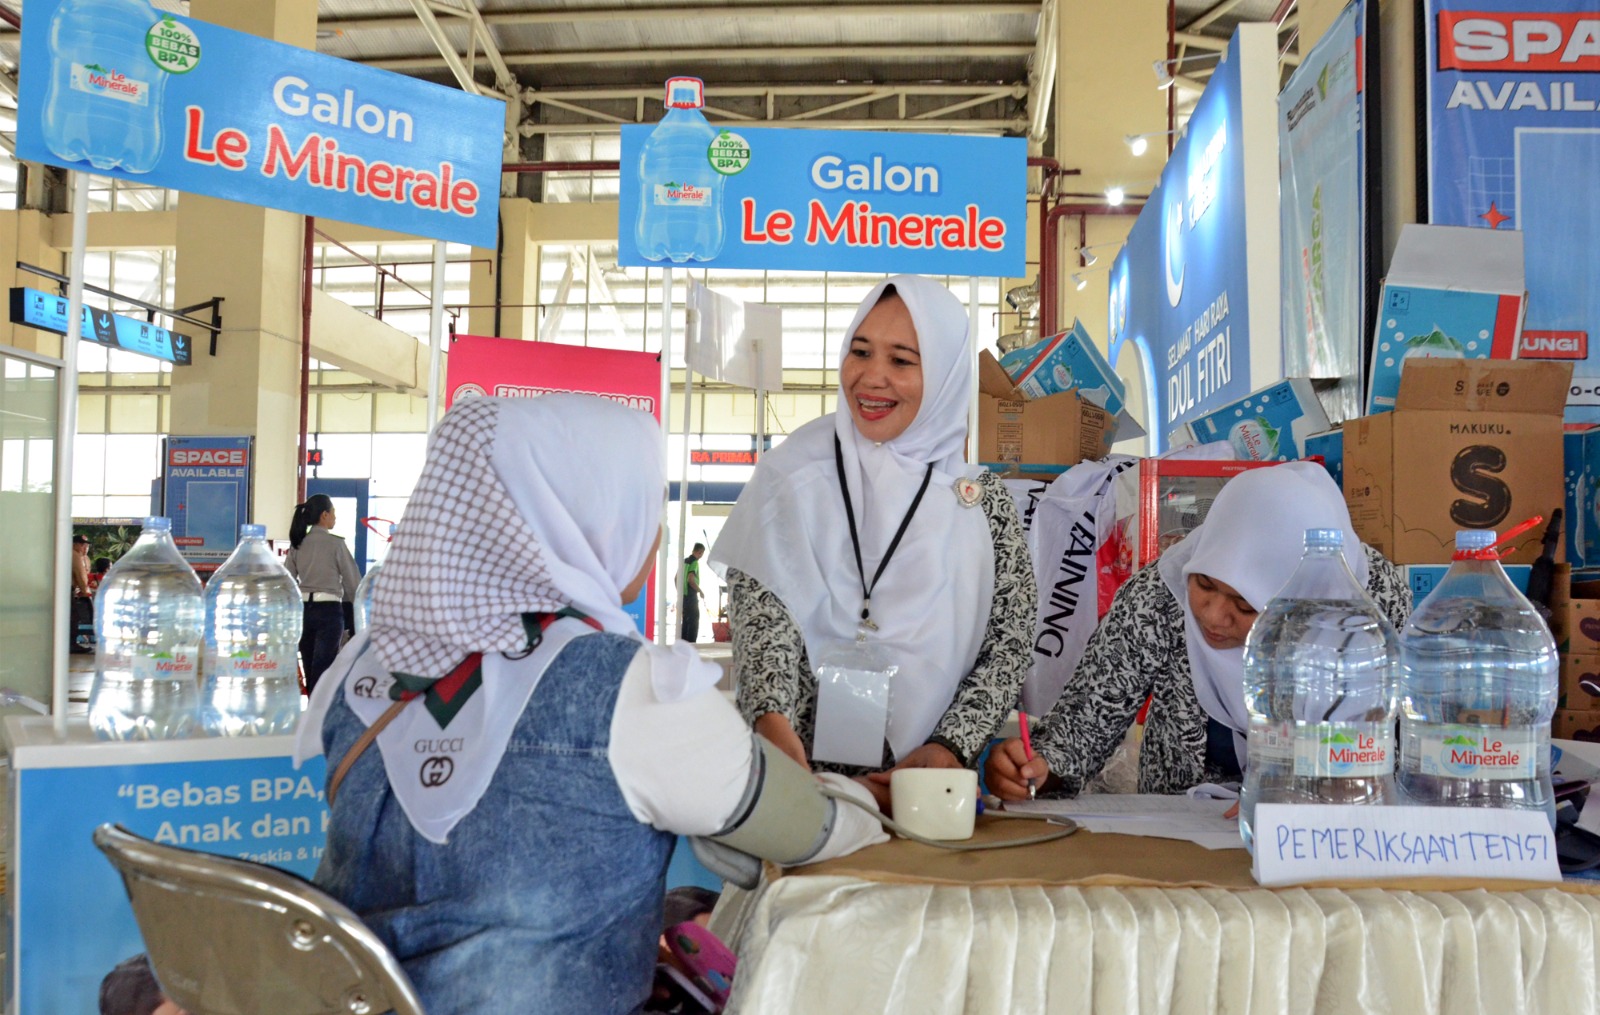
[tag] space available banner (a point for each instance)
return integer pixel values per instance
(1514, 143)
(1319, 172)
(128, 91)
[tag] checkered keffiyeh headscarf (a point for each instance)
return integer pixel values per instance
(524, 506)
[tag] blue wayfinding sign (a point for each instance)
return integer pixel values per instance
(117, 88)
(816, 200)
(48, 312)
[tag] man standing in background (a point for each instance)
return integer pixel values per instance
(690, 594)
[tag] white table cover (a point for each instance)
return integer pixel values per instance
(829, 944)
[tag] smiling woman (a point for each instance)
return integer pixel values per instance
(862, 524)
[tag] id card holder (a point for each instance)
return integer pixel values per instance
(852, 704)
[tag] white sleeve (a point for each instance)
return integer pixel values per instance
(682, 765)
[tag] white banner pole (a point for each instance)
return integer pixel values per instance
(66, 434)
(663, 570)
(435, 334)
(683, 484)
(973, 311)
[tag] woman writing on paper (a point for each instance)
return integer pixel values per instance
(1175, 635)
(507, 834)
(866, 546)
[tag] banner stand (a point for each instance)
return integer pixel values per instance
(972, 368)
(662, 561)
(683, 483)
(435, 333)
(66, 434)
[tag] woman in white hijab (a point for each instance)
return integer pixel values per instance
(1175, 636)
(508, 837)
(865, 540)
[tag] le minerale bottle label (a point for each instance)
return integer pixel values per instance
(1271, 741)
(1476, 752)
(1343, 750)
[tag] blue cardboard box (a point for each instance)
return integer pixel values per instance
(1270, 425)
(1330, 445)
(1451, 293)
(1581, 476)
(1424, 577)
(1069, 361)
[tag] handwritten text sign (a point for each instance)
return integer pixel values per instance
(1297, 844)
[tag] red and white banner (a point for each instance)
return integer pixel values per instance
(512, 368)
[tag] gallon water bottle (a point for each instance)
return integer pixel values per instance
(104, 102)
(680, 195)
(148, 616)
(1321, 668)
(1479, 673)
(253, 620)
(368, 588)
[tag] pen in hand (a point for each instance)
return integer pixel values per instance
(1027, 747)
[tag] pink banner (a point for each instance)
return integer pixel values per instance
(512, 368)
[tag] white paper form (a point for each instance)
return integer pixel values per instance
(1161, 817)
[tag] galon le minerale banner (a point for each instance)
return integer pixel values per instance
(128, 91)
(824, 200)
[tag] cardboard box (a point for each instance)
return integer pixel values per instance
(1581, 460)
(1270, 425)
(1329, 445)
(1575, 616)
(1571, 725)
(1472, 444)
(1066, 362)
(1036, 438)
(1423, 578)
(1451, 292)
(1580, 681)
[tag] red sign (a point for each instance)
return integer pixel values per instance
(722, 458)
(1517, 41)
(226, 457)
(512, 368)
(1554, 345)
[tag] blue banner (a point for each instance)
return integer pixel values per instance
(72, 918)
(821, 200)
(205, 485)
(1179, 298)
(143, 95)
(1514, 142)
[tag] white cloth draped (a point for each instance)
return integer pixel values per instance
(823, 943)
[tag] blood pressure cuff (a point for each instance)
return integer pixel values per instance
(783, 817)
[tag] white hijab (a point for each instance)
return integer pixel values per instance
(524, 506)
(789, 530)
(1252, 539)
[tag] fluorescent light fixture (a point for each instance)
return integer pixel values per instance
(1115, 196)
(1078, 281)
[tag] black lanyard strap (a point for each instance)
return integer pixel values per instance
(855, 538)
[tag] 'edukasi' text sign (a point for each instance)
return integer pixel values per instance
(139, 94)
(820, 200)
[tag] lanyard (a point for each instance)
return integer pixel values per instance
(855, 538)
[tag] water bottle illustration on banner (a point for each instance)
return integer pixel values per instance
(680, 192)
(148, 615)
(1479, 681)
(104, 101)
(253, 618)
(1320, 680)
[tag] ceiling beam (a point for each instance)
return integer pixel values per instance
(741, 12)
(1015, 125)
(1016, 90)
(1210, 15)
(950, 52)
